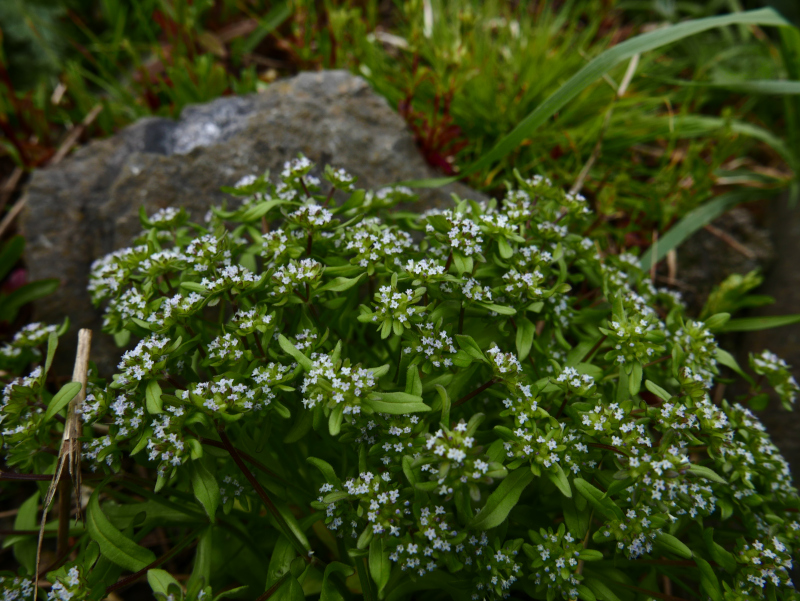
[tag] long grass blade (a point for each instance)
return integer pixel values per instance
(776, 87)
(595, 69)
(750, 324)
(695, 220)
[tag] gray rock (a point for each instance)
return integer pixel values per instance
(782, 282)
(705, 260)
(88, 205)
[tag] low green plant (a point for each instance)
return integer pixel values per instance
(330, 398)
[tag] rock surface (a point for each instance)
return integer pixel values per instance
(705, 259)
(782, 282)
(88, 205)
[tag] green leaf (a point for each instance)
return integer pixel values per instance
(25, 545)
(11, 253)
(708, 579)
(23, 295)
(340, 284)
(751, 324)
(159, 580)
(413, 381)
(501, 309)
(326, 469)
(728, 360)
(292, 351)
(290, 590)
(715, 322)
(718, 553)
(446, 404)
(657, 390)
(673, 545)
(397, 408)
(396, 397)
(201, 570)
(231, 592)
(258, 210)
(771, 87)
(504, 247)
(113, 544)
(635, 379)
(52, 345)
(335, 420)
(598, 500)
(153, 397)
(194, 287)
(205, 488)
(559, 478)
(330, 590)
(590, 555)
(60, 400)
(501, 501)
(280, 561)
(379, 565)
(600, 590)
(695, 220)
(525, 332)
(469, 346)
(705, 472)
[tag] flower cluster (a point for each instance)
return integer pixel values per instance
(554, 562)
(451, 390)
(776, 370)
(336, 385)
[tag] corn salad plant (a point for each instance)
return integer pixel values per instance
(324, 397)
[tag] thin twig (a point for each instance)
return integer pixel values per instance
(730, 241)
(594, 349)
(10, 186)
(12, 214)
(262, 494)
(75, 134)
(271, 590)
(249, 458)
(136, 575)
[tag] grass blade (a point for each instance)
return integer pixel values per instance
(695, 220)
(750, 324)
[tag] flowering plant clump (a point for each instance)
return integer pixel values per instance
(334, 400)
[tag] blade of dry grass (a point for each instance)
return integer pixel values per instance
(70, 452)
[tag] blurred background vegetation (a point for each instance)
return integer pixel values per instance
(654, 139)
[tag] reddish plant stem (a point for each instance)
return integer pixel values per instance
(664, 358)
(258, 343)
(483, 387)
(136, 575)
(237, 459)
(34, 477)
(262, 494)
(563, 405)
(608, 447)
(249, 458)
(271, 590)
(594, 349)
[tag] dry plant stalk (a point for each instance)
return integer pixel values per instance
(70, 452)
